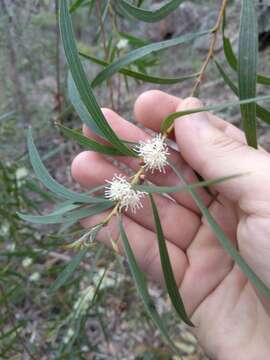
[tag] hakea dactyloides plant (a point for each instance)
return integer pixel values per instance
(121, 193)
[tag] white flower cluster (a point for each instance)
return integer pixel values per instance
(119, 189)
(154, 153)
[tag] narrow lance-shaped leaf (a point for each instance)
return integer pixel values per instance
(170, 282)
(7, 116)
(148, 15)
(225, 241)
(138, 75)
(141, 52)
(142, 287)
(81, 81)
(233, 62)
(43, 175)
(171, 189)
(247, 68)
(76, 4)
(74, 216)
(261, 112)
(81, 110)
(89, 143)
(68, 271)
(170, 119)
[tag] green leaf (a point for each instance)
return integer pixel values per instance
(81, 110)
(229, 54)
(43, 175)
(140, 282)
(226, 78)
(247, 68)
(225, 241)
(76, 5)
(139, 75)
(7, 116)
(134, 40)
(68, 271)
(141, 52)
(261, 112)
(170, 119)
(89, 143)
(233, 62)
(170, 282)
(89, 211)
(57, 217)
(148, 15)
(81, 81)
(262, 79)
(171, 189)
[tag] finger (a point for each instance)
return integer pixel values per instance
(170, 212)
(153, 106)
(215, 153)
(130, 132)
(144, 245)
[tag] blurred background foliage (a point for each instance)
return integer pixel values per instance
(96, 314)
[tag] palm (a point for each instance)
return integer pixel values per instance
(212, 287)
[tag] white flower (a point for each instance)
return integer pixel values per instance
(21, 173)
(27, 262)
(154, 153)
(119, 189)
(69, 335)
(11, 247)
(122, 44)
(34, 277)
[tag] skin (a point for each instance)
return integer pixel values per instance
(232, 319)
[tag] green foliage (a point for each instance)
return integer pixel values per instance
(81, 82)
(141, 53)
(135, 74)
(148, 15)
(170, 282)
(170, 118)
(247, 68)
(140, 282)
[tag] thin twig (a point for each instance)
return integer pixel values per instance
(209, 56)
(210, 53)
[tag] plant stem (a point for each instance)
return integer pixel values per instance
(210, 53)
(209, 56)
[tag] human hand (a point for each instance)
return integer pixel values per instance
(232, 320)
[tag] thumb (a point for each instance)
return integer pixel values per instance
(213, 153)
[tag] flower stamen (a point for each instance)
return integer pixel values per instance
(153, 153)
(120, 190)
